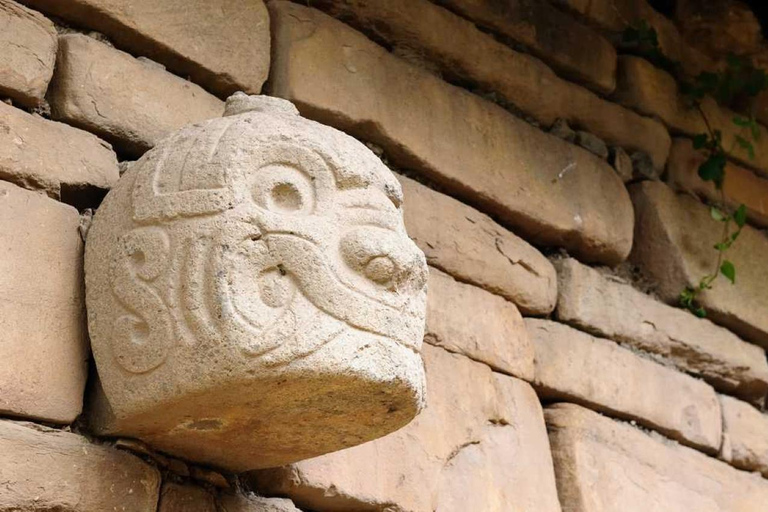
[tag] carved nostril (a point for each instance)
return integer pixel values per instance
(380, 269)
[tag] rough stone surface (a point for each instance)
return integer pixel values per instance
(463, 52)
(603, 465)
(479, 445)
(741, 186)
(44, 155)
(642, 167)
(592, 143)
(43, 344)
(468, 320)
(252, 503)
(253, 297)
(49, 470)
(129, 103)
(27, 53)
(622, 163)
(720, 27)
(674, 240)
(471, 247)
(612, 309)
(473, 147)
(222, 45)
(185, 498)
(574, 366)
(745, 435)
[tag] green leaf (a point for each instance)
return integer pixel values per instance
(742, 121)
(700, 312)
(745, 144)
(713, 169)
(700, 141)
(729, 271)
(723, 246)
(740, 216)
(717, 214)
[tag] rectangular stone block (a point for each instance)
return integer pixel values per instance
(471, 247)
(44, 155)
(603, 465)
(597, 373)
(745, 435)
(463, 52)
(479, 445)
(546, 189)
(603, 306)
(45, 469)
(130, 103)
(27, 53)
(675, 237)
(222, 45)
(468, 320)
(575, 50)
(43, 344)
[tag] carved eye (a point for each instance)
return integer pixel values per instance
(283, 189)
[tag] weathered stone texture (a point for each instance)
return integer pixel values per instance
(185, 498)
(612, 309)
(43, 344)
(745, 435)
(222, 45)
(572, 365)
(550, 191)
(674, 240)
(471, 247)
(479, 445)
(44, 469)
(252, 503)
(468, 320)
(27, 53)
(603, 465)
(130, 103)
(39, 154)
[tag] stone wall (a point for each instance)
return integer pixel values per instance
(550, 181)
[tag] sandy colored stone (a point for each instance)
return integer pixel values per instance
(185, 498)
(572, 365)
(222, 45)
(27, 53)
(471, 247)
(674, 245)
(719, 27)
(253, 296)
(468, 320)
(49, 470)
(53, 157)
(741, 185)
(479, 445)
(613, 309)
(130, 103)
(253, 503)
(43, 343)
(745, 435)
(603, 465)
(547, 190)
(463, 52)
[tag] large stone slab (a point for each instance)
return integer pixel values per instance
(745, 435)
(467, 320)
(674, 240)
(471, 247)
(613, 309)
(603, 465)
(574, 366)
(550, 191)
(479, 445)
(45, 155)
(27, 53)
(43, 344)
(463, 52)
(222, 45)
(130, 103)
(46, 469)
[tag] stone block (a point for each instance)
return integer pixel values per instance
(45, 155)
(471, 247)
(607, 307)
(43, 344)
(674, 245)
(745, 435)
(547, 190)
(47, 469)
(573, 366)
(130, 103)
(252, 503)
(185, 498)
(27, 54)
(253, 296)
(603, 465)
(222, 45)
(468, 320)
(479, 445)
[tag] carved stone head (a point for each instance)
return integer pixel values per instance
(253, 297)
